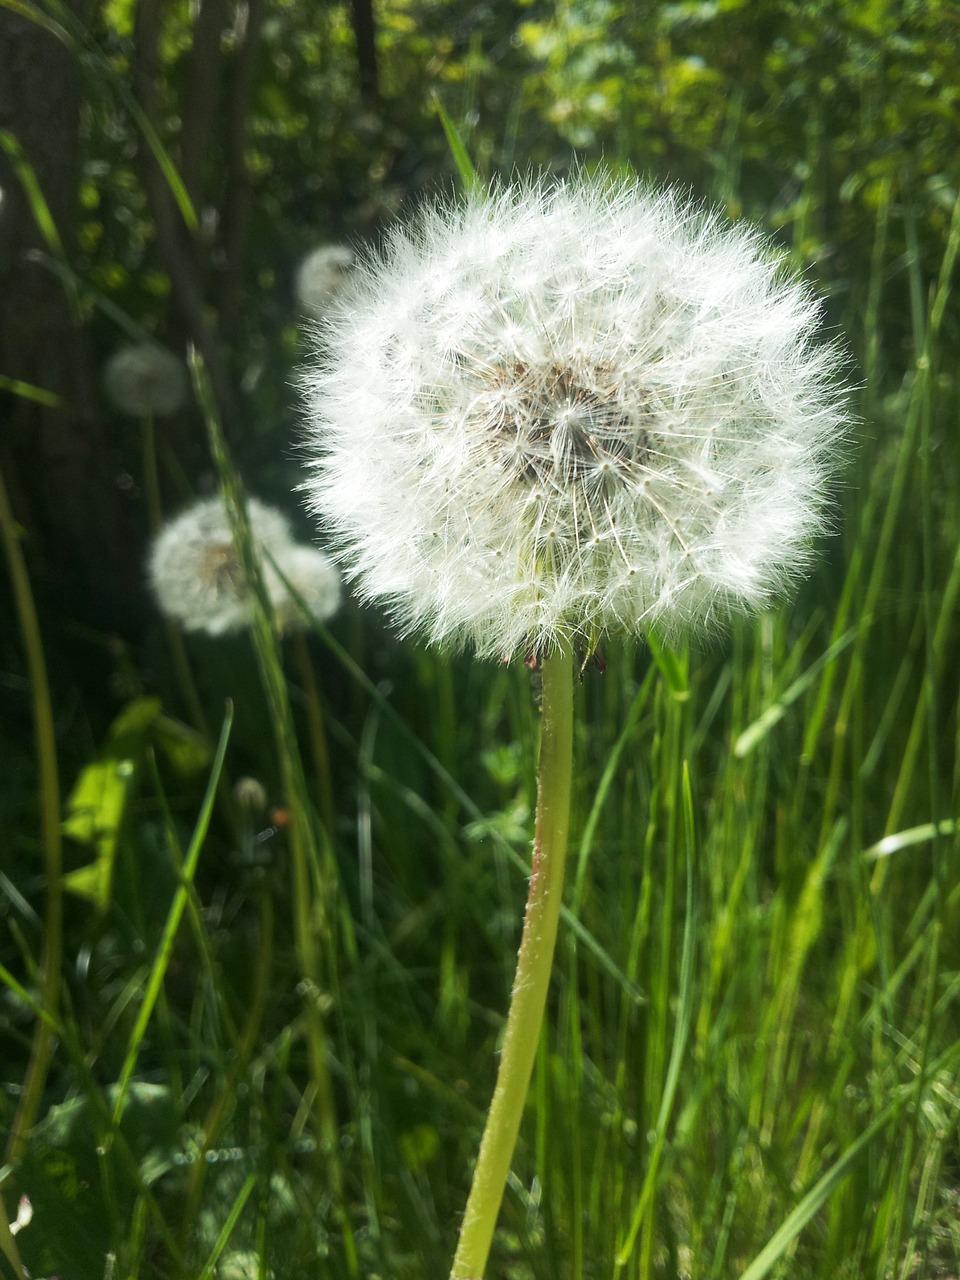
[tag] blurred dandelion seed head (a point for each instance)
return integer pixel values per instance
(145, 379)
(303, 574)
(195, 569)
(564, 408)
(322, 276)
(199, 581)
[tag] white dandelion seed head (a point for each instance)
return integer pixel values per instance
(301, 573)
(565, 408)
(195, 570)
(322, 276)
(144, 379)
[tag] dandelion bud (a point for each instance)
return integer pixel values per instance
(24, 1215)
(565, 408)
(145, 379)
(250, 794)
(322, 276)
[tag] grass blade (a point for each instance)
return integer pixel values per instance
(814, 1200)
(177, 908)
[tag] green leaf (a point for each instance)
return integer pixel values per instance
(906, 839)
(813, 1201)
(187, 751)
(95, 810)
(174, 915)
(33, 14)
(97, 804)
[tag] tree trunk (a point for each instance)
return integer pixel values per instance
(65, 479)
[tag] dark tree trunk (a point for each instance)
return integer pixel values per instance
(365, 34)
(65, 480)
(178, 248)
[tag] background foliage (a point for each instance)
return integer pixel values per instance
(274, 1018)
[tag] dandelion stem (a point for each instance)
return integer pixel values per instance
(315, 729)
(151, 478)
(532, 979)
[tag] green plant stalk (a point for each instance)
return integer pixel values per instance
(315, 729)
(312, 906)
(49, 776)
(151, 488)
(532, 979)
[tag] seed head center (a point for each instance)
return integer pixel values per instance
(220, 569)
(566, 427)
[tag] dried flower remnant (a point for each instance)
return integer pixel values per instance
(145, 379)
(322, 276)
(563, 408)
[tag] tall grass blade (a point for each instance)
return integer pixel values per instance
(471, 180)
(177, 907)
(815, 1199)
(683, 1018)
(243, 1195)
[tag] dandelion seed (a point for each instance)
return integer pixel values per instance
(145, 379)
(322, 277)
(566, 408)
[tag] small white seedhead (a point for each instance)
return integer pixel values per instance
(322, 277)
(145, 379)
(304, 586)
(565, 408)
(199, 581)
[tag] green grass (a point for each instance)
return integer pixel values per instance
(275, 1030)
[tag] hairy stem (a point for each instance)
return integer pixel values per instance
(532, 979)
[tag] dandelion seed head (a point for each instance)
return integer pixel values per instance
(322, 276)
(564, 408)
(145, 379)
(303, 574)
(195, 570)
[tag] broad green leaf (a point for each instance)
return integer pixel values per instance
(98, 801)
(95, 810)
(187, 750)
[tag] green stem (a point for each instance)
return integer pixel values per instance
(315, 729)
(151, 489)
(49, 780)
(313, 867)
(532, 979)
(151, 478)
